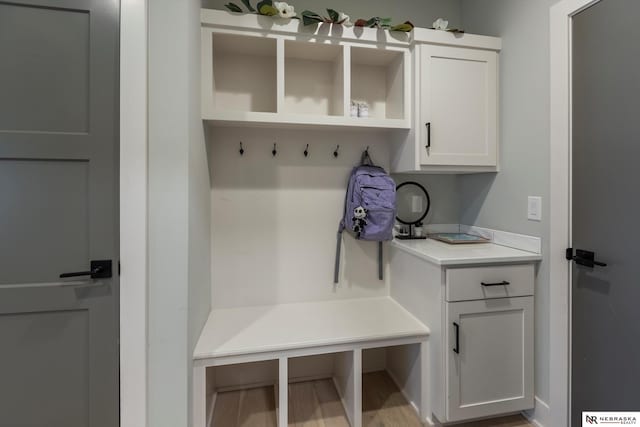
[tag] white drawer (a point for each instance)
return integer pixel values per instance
(466, 284)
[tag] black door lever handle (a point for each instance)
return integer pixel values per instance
(584, 258)
(99, 270)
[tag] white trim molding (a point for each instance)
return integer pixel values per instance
(133, 213)
(540, 416)
(562, 14)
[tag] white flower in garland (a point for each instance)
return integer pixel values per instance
(441, 24)
(345, 19)
(284, 10)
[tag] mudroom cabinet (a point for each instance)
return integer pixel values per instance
(488, 351)
(281, 345)
(290, 77)
(480, 313)
(458, 107)
(455, 125)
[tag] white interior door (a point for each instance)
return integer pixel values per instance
(458, 106)
(489, 357)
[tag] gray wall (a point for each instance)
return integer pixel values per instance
(500, 200)
(179, 282)
(421, 12)
(442, 189)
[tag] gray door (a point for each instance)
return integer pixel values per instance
(58, 184)
(606, 201)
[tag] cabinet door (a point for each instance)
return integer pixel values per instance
(490, 357)
(458, 107)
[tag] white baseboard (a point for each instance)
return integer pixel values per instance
(540, 416)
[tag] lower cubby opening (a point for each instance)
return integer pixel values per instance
(391, 388)
(243, 395)
(321, 390)
(369, 387)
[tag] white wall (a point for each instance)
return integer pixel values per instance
(500, 200)
(274, 220)
(133, 213)
(421, 12)
(178, 209)
(199, 200)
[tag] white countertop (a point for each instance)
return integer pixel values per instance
(247, 330)
(441, 253)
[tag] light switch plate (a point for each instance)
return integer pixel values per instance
(534, 208)
(416, 204)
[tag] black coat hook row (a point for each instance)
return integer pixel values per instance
(306, 151)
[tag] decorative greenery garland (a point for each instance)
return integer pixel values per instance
(284, 10)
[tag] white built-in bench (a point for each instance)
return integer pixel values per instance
(278, 335)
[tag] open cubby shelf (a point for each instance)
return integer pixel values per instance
(313, 79)
(361, 387)
(337, 341)
(377, 77)
(244, 73)
(273, 81)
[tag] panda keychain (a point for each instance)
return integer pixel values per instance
(359, 220)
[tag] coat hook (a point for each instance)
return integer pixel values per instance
(335, 153)
(241, 149)
(274, 151)
(306, 151)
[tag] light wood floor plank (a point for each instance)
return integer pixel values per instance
(257, 408)
(304, 409)
(317, 404)
(383, 404)
(225, 413)
(333, 413)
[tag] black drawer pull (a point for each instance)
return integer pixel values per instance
(428, 125)
(503, 283)
(456, 349)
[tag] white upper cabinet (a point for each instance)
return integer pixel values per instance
(458, 107)
(264, 71)
(437, 91)
(455, 125)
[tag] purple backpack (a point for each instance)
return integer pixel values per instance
(369, 208)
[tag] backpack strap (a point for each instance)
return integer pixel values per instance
(380, 268)
(336, 270)
(341, 227)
